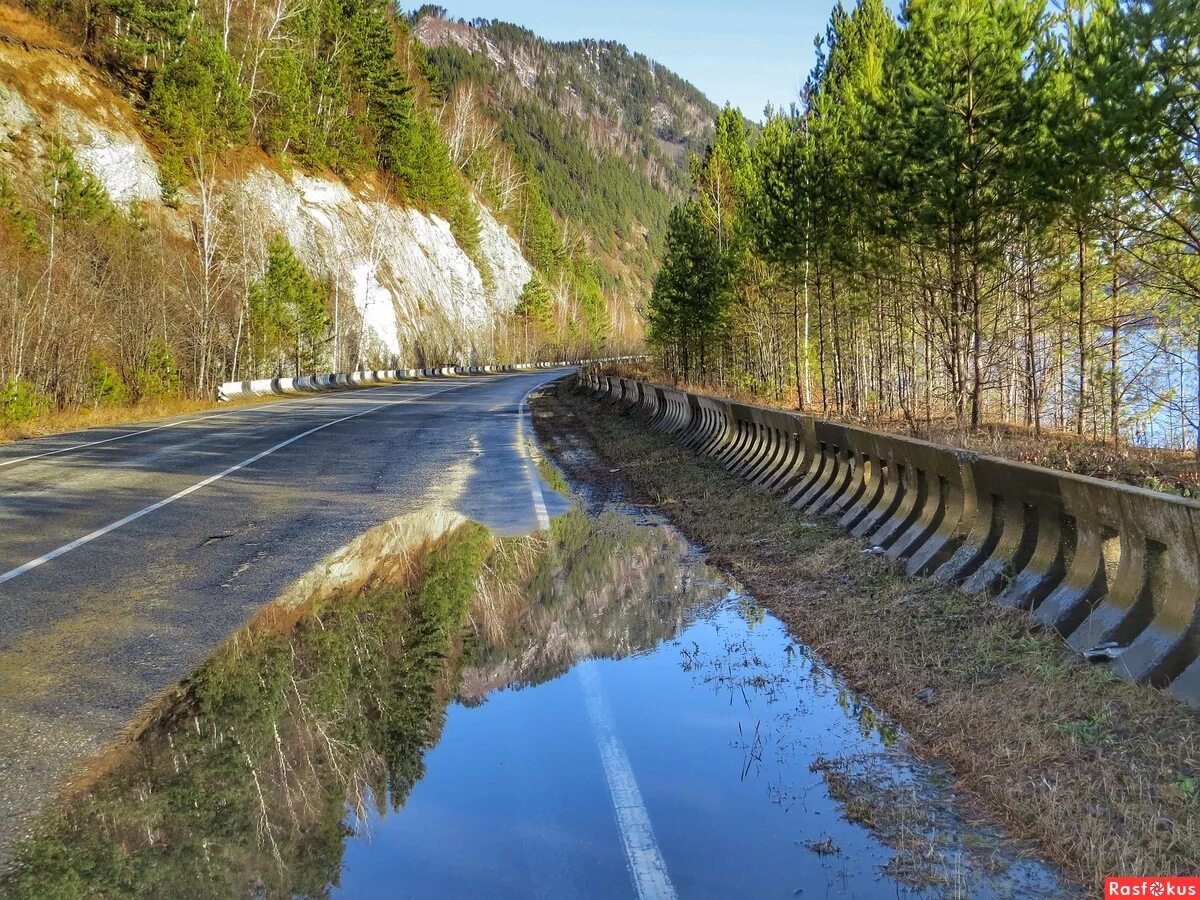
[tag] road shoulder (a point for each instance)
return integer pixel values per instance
(1103, 775)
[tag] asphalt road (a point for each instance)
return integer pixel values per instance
(128, 555)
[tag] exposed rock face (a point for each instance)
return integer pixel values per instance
(44, 94)
(401, 270)
(121, 163)
(407, 275)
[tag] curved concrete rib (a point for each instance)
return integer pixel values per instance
(1092, 560)
(756, 448)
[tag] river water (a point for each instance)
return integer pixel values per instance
(599, 713)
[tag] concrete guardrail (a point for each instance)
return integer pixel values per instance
(311, 384)
(1113, 569)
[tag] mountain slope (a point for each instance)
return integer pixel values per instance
(606, 132)
(198, 193)
(111, 291)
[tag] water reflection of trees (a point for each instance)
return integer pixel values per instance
(236, 783)
(605, 586)
(247, 777)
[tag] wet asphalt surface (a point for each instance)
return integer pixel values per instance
(95, 630)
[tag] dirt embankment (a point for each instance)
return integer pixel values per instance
(1103, 775)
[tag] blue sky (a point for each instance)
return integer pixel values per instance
(748, 53)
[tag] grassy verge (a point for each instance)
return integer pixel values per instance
(61, 422)
(1104, 776)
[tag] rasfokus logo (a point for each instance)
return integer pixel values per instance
(1146, 886)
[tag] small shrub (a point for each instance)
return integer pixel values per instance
(104, 384)
(158, 376)
(20, 401)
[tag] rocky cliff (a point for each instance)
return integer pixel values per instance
(397, 270)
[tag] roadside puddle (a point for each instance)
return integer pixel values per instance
(591, 712)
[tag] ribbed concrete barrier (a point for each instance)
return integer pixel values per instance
(311, 384)
(1109, 567)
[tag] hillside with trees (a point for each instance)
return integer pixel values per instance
(606, 131)
(327, 112)
(978, 213)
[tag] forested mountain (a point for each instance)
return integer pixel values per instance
(193, 192)
(606, 132)
(978, 212)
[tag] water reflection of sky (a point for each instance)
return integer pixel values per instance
(620, 700)
(728, 728)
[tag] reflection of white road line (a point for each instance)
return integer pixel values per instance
(649, 870)
(535, 486)
(154, 507)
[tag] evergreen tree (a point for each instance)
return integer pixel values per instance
(385, 88)
(689, 300)
(73, 195)
(287, 311)
(782, 223)
(103, 383)
(534, 312)
(198, 104)
(969, 118)
(142, 35)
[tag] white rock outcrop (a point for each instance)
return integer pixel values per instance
(405, 271)
(99, 126)
(15, 114)
(120, 162)
(408, 279)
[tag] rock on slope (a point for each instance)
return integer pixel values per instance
(402, 268)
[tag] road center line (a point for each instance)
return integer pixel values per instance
(129, 434)
(133, 517)
(646, 862)
(263, 408)
(535, 486)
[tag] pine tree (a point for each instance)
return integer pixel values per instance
(969, 119)
(198, 104)
(782, 224)
(534, 312)
(142, 35)
(287, 311)
(386, 89)
(689, 301)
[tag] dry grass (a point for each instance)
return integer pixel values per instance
(23, 26)
(78, 419)
(1103, 775)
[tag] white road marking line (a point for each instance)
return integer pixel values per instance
(133, 517)
(271, 407)
(535, 485)
(129, 434)
(646, 862)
